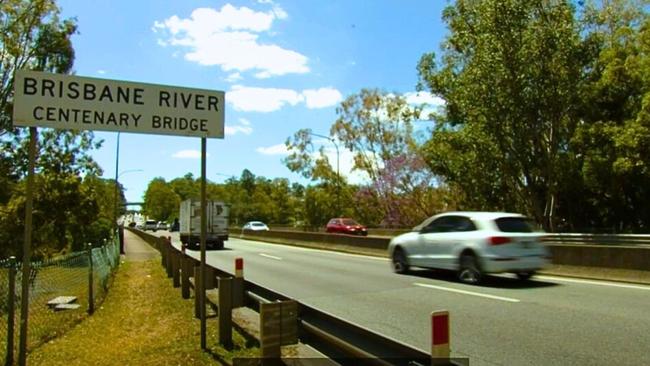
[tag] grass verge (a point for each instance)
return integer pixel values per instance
(143, 321)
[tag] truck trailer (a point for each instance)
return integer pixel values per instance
(217, 224)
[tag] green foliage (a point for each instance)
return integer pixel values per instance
(546, 110)
(160, 200)
(65, 208)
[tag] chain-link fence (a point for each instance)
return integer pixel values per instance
(59, 294)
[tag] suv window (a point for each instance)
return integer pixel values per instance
(449, 224)
(515, 225)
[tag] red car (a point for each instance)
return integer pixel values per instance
(346, 226)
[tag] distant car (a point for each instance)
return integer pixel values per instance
(132, 224)
(162, 225)
(255, 226)
(472, 244)
(150, 225)
(345, 226)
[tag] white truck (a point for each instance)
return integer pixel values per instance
(217, 225)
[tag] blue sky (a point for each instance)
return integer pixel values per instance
(284, 65)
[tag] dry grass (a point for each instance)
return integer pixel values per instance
(143, 321)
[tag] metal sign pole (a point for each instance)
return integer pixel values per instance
(203, 235)
(27, 248)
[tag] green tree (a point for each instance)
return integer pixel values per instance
(160, 200)
(612, 143)
(34, 37)
(510, 74)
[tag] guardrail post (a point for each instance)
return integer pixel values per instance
(11, 302)
(186, 273)
(163, 254)
(238, 284)
(270, 330)
(168, 249)
(440, 339)
(198, 296)
(91, 296)
(210, 278)
(176, 264)
(225, 312)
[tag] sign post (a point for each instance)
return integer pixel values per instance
(82, 103)
(27, 248)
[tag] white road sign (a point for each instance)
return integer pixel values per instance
(82, 103)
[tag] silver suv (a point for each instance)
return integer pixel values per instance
(472, 244)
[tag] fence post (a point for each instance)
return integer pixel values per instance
(225, 312)
(11, 302)
(91, 297)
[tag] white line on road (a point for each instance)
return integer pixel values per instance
(594, 282)
(493, 297)
(305, 249)
(270, 256)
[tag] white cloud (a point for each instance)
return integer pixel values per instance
(345, 161)
(279, 149)
(101, 72)
(424, 98)
(243, 127)
(188, 154)
(233, 77)
(229, 38)
(323, 97)
(254, 99)
(251, 99)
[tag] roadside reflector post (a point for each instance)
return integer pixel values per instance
(440, 337)
(225, 311)
(238, 284)
(186, 273)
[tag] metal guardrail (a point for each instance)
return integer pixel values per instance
(598, 239)
(550, 238)
(345, 339)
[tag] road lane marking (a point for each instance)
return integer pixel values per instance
(305, 249)
(270, 256)
(594, 282)
(493, 297)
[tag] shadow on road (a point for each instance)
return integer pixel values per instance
(494, 281)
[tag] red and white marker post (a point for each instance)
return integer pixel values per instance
(440, 338)
(239, 267)
(238, 284)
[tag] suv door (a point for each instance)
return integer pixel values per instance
(461, 231)
(428, 251)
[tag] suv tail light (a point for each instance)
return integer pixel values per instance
(498, 240)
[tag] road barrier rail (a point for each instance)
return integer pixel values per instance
(336, 337)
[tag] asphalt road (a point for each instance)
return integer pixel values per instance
(547, 321)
